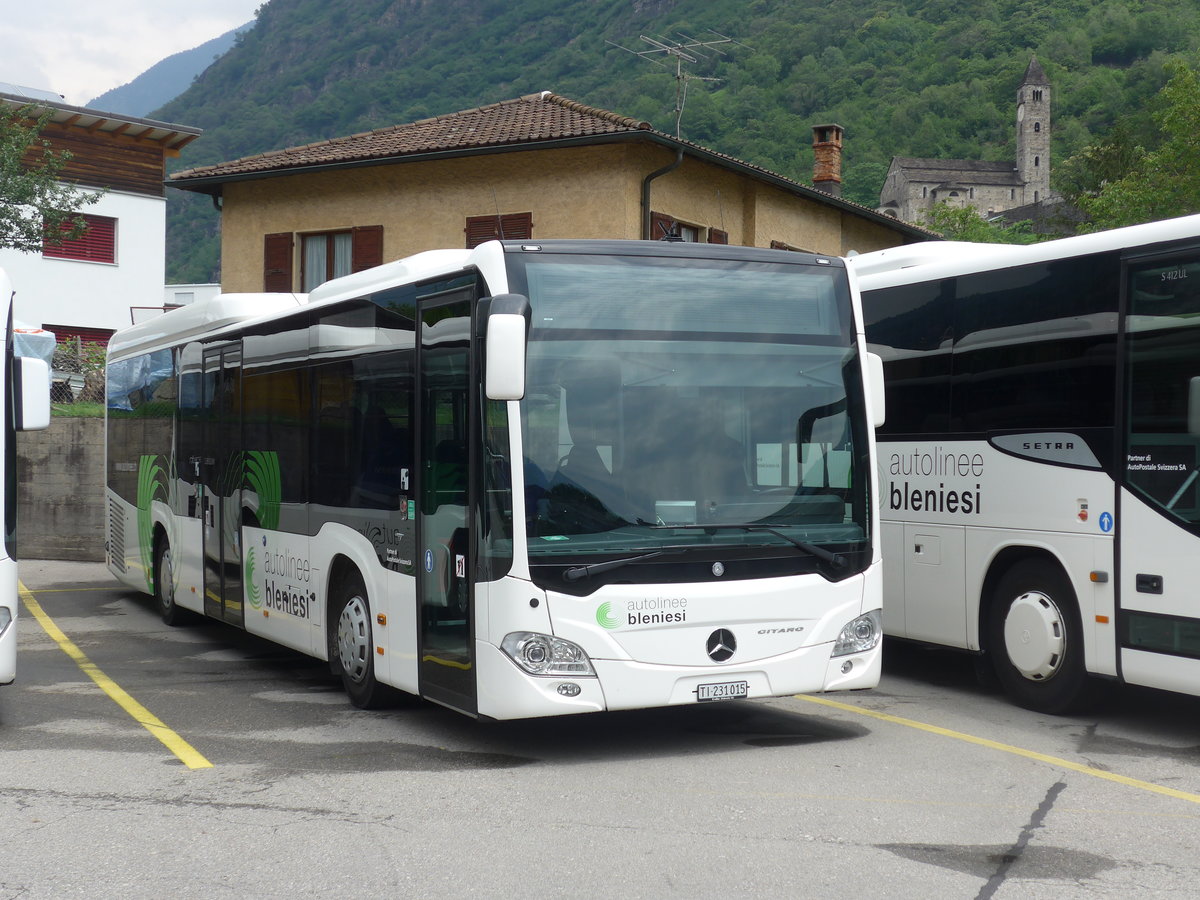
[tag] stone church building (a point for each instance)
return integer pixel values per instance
(913, 186)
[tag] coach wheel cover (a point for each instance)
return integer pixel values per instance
(1035, 636)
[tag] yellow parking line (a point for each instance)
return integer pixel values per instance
(186, 753)
(1008, 748)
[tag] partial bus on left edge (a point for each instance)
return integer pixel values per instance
(25, 387)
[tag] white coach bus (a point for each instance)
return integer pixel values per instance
(1038, 466)
(25, 387)
(519, 480)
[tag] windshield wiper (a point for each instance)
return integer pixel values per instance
(834, 559)
(576, 572)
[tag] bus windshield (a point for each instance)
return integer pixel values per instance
(671, 401)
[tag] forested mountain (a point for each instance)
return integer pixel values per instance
(930, 78)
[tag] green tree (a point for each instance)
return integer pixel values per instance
(965, 224)
(34, 204)
(1163, 182)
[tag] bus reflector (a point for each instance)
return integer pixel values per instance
(379, 650)
(381, 619)
(1103, 620)
(1099, 577)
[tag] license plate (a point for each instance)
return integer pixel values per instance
(723, 690)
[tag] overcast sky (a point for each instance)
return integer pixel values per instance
(82, 48)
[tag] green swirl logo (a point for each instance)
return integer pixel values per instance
(605, 617)
(251, 587)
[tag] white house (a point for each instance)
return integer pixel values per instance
(97, 284)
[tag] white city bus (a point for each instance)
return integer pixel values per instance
(1038, 466)
(519, 480)
(25, 387)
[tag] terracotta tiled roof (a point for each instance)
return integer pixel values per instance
(533, 118)
(543, 118)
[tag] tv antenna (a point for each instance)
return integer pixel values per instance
(690, 50)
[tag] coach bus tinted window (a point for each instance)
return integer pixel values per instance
(1163, 333)
(911, 328)
(1035, 347)
(666, 394)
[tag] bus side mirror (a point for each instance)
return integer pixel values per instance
(31, 393)
(504, 353)
(875, 388)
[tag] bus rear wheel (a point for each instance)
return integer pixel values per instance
(1036, 641)
(353, 644)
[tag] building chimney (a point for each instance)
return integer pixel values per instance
(827, 159)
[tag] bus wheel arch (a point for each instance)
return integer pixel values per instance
(1032, 632)
(350, 635)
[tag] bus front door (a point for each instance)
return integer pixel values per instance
(444, 584)
(221, 471)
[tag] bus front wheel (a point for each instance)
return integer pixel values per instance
(1036, 641)
(354, 646)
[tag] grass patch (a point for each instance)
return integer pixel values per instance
(77, 410)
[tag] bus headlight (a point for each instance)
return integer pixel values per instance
(6, 618)
(543, 654)
(860, 635)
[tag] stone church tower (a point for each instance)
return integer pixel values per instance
(1033, 133)
(914, 185)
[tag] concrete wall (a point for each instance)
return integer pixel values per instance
(60, 491)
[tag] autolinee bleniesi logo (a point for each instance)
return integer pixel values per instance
(252, 591)
(605, 617)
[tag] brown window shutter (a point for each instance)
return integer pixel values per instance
(367, 249)
(717, 236)
(277, 261)
(510, 226)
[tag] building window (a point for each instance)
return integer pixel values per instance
(98, 243)
(506, 227)
(1036, 160)
(662, 226)
(1037, 126)
(323, 255)
(717, 236)
(1037, 96)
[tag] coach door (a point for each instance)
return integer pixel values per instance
(445, 564)
(221, 473)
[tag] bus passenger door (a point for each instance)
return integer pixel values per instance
(221, 475)
(445, 565)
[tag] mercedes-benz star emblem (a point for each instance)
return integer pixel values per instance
(718, 569)
(721, 644)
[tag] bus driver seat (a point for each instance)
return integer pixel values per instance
(592, 394)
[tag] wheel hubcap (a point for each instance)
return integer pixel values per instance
(354, 639)
(1035, 636)
(166, 581)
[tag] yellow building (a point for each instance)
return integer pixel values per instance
(537, 167)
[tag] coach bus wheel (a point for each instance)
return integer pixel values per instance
(1036, 642)
(354, 647)
(164, 585)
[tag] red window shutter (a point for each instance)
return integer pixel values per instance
(97, 244)
(277, 262)
(716, 236)
(510, 227)
(64, 333)
(367, 249)
(660, 226)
